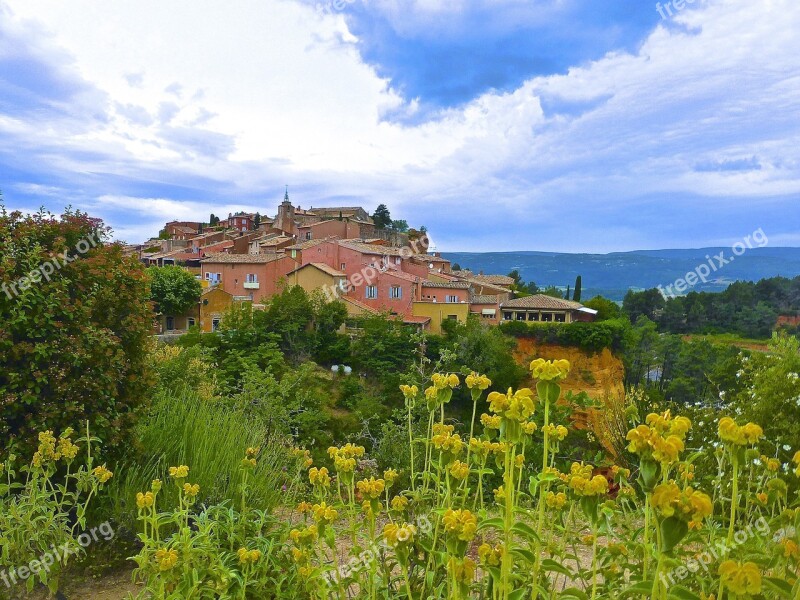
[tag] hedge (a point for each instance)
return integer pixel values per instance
(587, 336)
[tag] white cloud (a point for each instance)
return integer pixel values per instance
(257, 93)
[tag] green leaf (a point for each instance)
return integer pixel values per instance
(779, 585)
(574, 593)
(497, 523)
(518, 594)
(681, 593)
(525, 530)
(641, 588)
(548, 564)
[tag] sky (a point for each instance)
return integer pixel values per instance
(553, 125)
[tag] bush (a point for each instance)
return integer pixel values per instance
(73, 344)
(592, 337)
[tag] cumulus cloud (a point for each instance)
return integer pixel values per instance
(667, 136)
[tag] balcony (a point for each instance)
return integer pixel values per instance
(251, 285)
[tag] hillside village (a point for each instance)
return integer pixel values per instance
(345, 254)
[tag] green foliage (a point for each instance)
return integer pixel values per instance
(576, 296)
(72, 345)
(400, 225)
(211, 436)
(381, 217)
(606, 309)
(591, 337)
(772, 393)
(173, 289)
(744, 308)
(43, 510)
(648, 303)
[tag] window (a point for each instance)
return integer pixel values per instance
(342, 266)
(308, 235)
(371, 292)
(533, 316)
(506, 316)
(395, 292)
(561, 317)
(547, 317)
(170, 323)
(520, 316)
(397, 260)
(452, 317)
(451, 299)
(251, 278)
(487, 316)
(190, 322)
(214, 324)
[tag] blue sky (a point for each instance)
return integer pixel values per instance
(560, 125)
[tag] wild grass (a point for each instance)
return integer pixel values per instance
(211, 436)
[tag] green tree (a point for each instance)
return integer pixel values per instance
(576, 296)
(648, 303)
(381, 217)
(173, 289)
(606, 309)
(400, 225)
(257, 221)
(75, 332)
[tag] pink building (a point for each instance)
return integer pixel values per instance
(253, 276)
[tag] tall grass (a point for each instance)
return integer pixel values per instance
(210, 437)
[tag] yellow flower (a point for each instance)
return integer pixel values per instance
(319, 477)
(409, 391)
(166, 559)
(248, 557)
(251, 452)
(181, 472)
(791, 550)
(515, 406)
(155, 486)
(796, 460)
(662, 439)
(371, 488)
(304, 507)
(474, 380)
(444, 440)
(144, 500)
(740, 578)
(556, 433)
(490, 422)
(248, 463)
(499, 494)
(102, 474)
(491, 557)
(463, 571)
(689, 505)
(399, 503)
(324, 514)
(442, 381)
(191, 490)
(399, 535)
(556, 501)
(459, 470)
(549, 370)
(746, 435)
(390, 476)
(67, 449)
(529, 427)
(304, 537)
(762, 497)
(461, 523)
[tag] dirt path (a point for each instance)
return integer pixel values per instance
(112, 586)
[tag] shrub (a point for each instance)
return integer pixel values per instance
(72, 345)
(587, 336)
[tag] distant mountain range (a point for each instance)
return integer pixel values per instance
(612, 275)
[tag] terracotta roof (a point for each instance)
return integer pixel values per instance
(371, 248)
(486, 284)
(541, 301)
(483, 299)
(322, 267)
(415, 319)
(223, 257)
(430, 258)
(401, 275)
(310, 243)
(453, 285)
(503, 280)
(358, 304)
